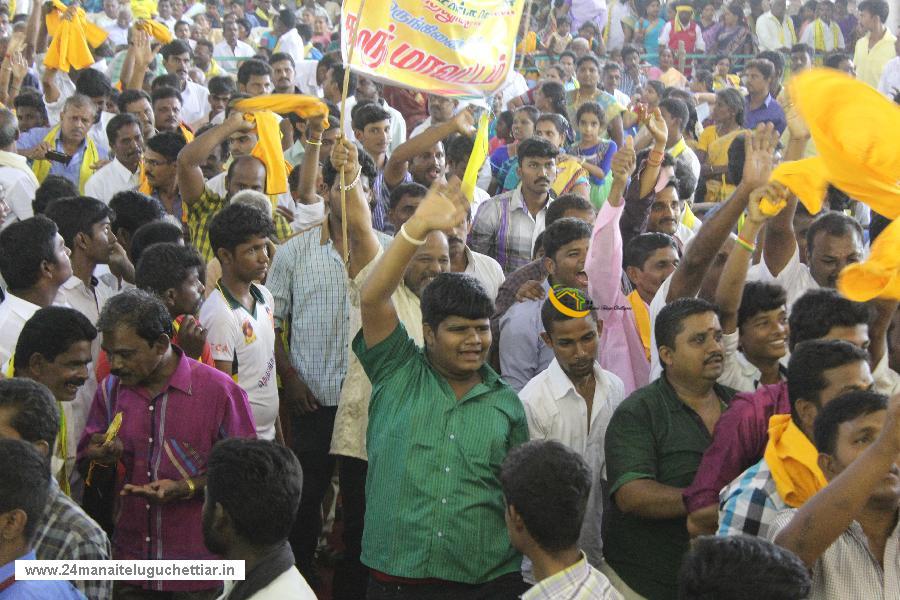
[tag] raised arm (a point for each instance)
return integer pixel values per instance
(309, 167)
(142, 51)
(363, 242)
(397, 165)
(828, 514)
(656, 125)
(442, 208)
(702, 250)
(190, 177)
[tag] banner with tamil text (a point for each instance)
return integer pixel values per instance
(445, 47)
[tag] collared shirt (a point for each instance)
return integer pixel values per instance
(774, 34)
(739, 441)
(581, 581)
(86, 299)
(738, 372)
(889, 85)
(35, 588)
(18, 187)
(291, 43)
(169, 436)
(653, 435)
(71, 171)
(523, 353)
(630, 84)
(505, 230)
(768, 112)
(66, 532)
(847, 570)
(486, 270)
(434, 506)
(309, 284)
(621, 349)
(110, 179)
(14, 312)
(870, 62)
(195, 102)
(382, 195)
(240, 50)
(289, 584)
(832, 38)
(750, 503)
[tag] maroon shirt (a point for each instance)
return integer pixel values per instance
(168, 437)
(739, 441)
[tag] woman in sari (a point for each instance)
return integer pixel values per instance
(647, 30)
(669, 75)
(712, 147)
(730, 35)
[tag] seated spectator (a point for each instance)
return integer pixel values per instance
(760, 106)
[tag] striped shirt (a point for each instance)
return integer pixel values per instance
(505, 230)
(581, 581)
(309, 284)
(750, 503)
(434, 506)
(847, 570)
(382, 203)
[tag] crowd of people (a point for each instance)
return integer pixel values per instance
(612, 371)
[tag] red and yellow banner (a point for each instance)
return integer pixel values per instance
(445, 47)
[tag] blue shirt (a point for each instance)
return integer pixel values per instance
(72, 171)
(35, 589)
(768, 112)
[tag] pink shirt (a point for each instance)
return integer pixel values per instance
(165, 437)
(621, 350)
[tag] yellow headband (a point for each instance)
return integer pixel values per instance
(569, 312)
(679, 9)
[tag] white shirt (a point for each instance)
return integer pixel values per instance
(291, 43)
(772, 33)
(19, 191)
(88, 300)
(240, 50)
(830, 31)
(618, 12)
(486, 270)
(195, 102)
(14, 312)
(795, 278)
(236, 335)
(890, 78)
(621, 97)
(738, 372)
(307, 215)
(656, 305)
(514, 87)
(305, 77)
(398, 124)
(290, 585)
(887, 381)
(112, 178)
(118, 36)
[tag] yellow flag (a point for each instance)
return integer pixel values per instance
(476, 159)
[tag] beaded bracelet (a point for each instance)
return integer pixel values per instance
(751, 248)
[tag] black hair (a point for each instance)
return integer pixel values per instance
(24, 474)
(817, 312)
(877, 8)
(93, 84)
(165, 266)
(593, 108)
(759, 297)
(416, 190)
(36, 415)
(558, 121)
(804, 48)
(564, 231)
(555, 92)
(117, 123)
(337, 76)
(133, 209)
(207, 43)
(52, 188)
(641, 247)
(834, 224)
(155, 232)
(533, 113)
(538, 246)
(741, 568)
(737, 152)
(24, 245)
(142, 311)
(77, 215)
(258, 483)
(670, 318)
(237, 223)
(705, 77)
(129, 96)
(833, 60)
(658, 87)
(569, 53)
(773, 57)
(50, 332)
(454, 295)
(808, 363)
(732, 98)
(221, 85)
(587, 58)
(367, 113)
(330, 174)
(628, 50)
(846, 407)
(31, 98)
(540, 474)
(566, 202)
(677, 109)
(459, 149)
(176, 47)
(165, 92)
(287, 18)
(764, 66)
(536, 148)
(168, 144)
(570, 298)
(281, 56)
(252, 67)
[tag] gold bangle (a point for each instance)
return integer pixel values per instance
(314, 143)
(191, 488)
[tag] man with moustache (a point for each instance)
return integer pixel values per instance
(654, 444)
(124, 172)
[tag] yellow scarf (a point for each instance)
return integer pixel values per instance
(642, 319)
(528, 45)
(72, 39)
(41, 168)
(679, 147)
(678, 10)
(144, 186)
(214, 69)
(268, 150)
(186, 132)
(609, 13)
(793, 461)
(566, 172)
(264, 17)
(819, 35)
(476, 158)
(302, 106)
(156, 29)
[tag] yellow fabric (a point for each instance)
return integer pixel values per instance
(642, 319)
(672, 77)
(678, 11)
(144, 186)
(41, 168)
(156, 29)
(609, 12)
(566, 172)
(476, 158)
(268, 150)
(679, 147)
(793, 461)
(143, 9)
(879, 276)
(730, 80)
(62, 444)
(302, 106)
(716, 148)
(214, 69)
(528, 45)
(72, 39)
(187, 133)
(819, 35)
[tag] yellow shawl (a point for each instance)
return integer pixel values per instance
(72, 39)
(642, 319)
(793, 461)
(41, 168)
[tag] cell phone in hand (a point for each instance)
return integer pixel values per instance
(57, 157)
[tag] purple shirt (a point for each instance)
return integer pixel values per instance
(739, 441)
(768, 112)
(168, 437)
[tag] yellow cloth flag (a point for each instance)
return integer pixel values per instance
(642, 319)
(157, 30)
(72, 39)
(143, 9)
(855, 130)
(144, 187)
(300, 105)
(41, 168)
(268, 150)
(476, 158)
(186, 132)
(793, 461)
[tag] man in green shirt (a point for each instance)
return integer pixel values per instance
(441, 421)
(654, 445)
